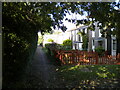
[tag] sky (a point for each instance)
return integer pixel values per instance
(72, 16)
(76, 16)
(70, 25)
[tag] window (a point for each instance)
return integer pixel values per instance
(75, 46)
(93, 42)
(100, 43)
(114, 44)
(83, 30)
(79, 38)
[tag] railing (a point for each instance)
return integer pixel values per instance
(77, 57)
(84, 57)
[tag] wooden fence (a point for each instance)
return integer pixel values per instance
(84, 57)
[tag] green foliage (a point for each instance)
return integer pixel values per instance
(50, 40)
(22, 20)
(85, 42)
(105, 13)
(100, 50)
(51, 46)
(59, 46)
(47, 45)
(84, 39)
(51, 57)
(18, 51)
(40, 39)
(104, 73)
(67, 44)
(20, 40)
(89, 76)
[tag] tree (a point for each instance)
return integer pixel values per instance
(107, 16)
(104, 12)
(22, 21)
(84, 39)
(40, 39)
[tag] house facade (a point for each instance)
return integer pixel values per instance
(77, 40)
(95, 39)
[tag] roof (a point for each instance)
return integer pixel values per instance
(78, 27)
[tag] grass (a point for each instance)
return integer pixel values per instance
(90, 76)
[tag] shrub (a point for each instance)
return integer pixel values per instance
(50, 40)
(100, 50)
(40, 39)
(50, 45)
(85, 42)
(67, 44)
(59, 46)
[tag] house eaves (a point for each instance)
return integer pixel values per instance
(80, 27)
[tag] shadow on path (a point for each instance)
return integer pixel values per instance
(41, 73)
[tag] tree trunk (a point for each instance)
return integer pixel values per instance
(109, 42)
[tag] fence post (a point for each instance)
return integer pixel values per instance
(60, 57)
(72, 56)
(97, 58)
(118, 57)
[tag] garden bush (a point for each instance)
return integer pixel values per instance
(51, 47)
(50, 40)
(67, 44)
(100, 50)
(19, 42)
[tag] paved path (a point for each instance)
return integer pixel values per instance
(41, 73)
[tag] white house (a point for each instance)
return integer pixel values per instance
(95, 39)
(76, 38)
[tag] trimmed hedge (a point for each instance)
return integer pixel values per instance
(67, 44)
